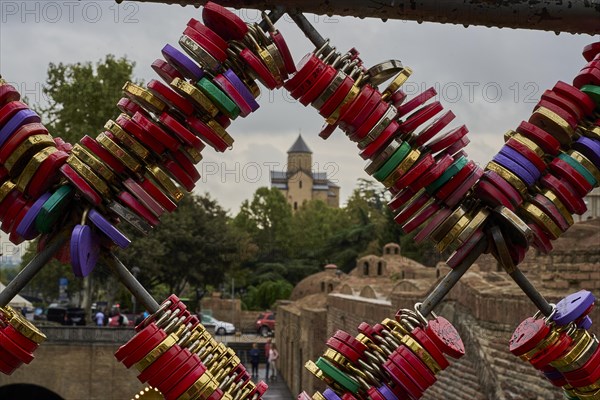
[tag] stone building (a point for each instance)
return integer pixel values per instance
(304, 323)
(485, 306)
(299, 183)
(592, 201)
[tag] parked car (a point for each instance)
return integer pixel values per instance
(265, 323)
(66, 315)
(220, 327)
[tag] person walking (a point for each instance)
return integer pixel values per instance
(254, 357)
(267, 349)
(273, 357)
(99, 318)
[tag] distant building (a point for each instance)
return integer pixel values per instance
(300, 183)
(592, 201)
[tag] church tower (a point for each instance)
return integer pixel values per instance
(299, 183)
(299, 157)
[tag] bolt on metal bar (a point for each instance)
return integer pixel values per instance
(274, 16)
(449, 281)
(309, 30)
(33, 267)
(130, 282)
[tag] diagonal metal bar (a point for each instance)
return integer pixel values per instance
(578, 16)
(309, 30)
(530, 291)
(130, 282)
(449, 281)
(35, 265)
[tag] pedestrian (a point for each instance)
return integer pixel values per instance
(267, 348)
(254, 357)
(273, 356)
(99, 317)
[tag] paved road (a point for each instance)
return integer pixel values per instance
(277, 388)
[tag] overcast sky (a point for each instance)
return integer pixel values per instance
(490, 77)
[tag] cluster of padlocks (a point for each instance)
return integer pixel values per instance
(538, 179)
(396, 359)
(138, 167)
(177, 356)
(561, 347)
(18, 340)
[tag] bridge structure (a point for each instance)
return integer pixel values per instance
(74, 363)
(95, 374)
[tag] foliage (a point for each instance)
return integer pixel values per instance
(194, 245)
(82, 97)
(267, 219)
(292, 246)
(265, 295)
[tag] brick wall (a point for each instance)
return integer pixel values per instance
(78, 371)
(300, 336)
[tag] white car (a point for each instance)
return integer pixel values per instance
(220, 327)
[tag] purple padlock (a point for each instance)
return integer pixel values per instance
(573, 307)
(331, 395)
(586, 323)
(241, 88)
(387, 393)
(182, 63)
(85, 250)
(521, 160)
(590, 148)
(515, 168)
(21, 118)
(26, 228)
(109, 229)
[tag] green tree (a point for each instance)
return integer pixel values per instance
(194, 245)
(82, 96)
(267, 219)
(361, 233)
(313, 225)
(265, 295)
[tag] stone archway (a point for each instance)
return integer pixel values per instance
(20, 391)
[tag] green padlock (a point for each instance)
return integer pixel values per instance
(340, 377)
(392, 162)
(593, 91)
(579, 167)
(447, 175)
(219, 98)
(54, 208)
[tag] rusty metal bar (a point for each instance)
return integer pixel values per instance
(577, 16)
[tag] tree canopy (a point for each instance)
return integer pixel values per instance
(82, 97)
